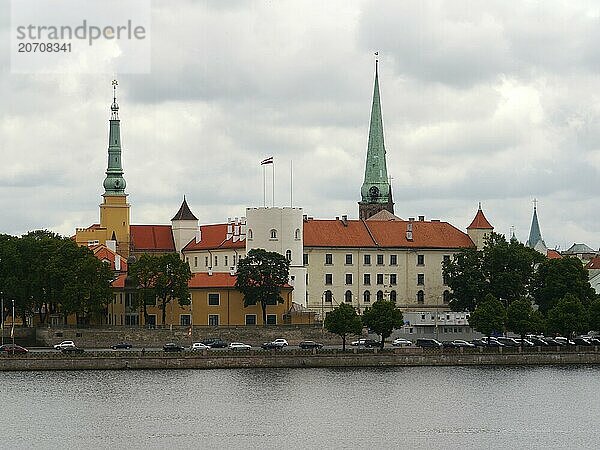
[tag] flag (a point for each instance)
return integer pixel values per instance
(189, 332)
(269, 160)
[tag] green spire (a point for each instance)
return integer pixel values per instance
(376, 187)
(114, 183)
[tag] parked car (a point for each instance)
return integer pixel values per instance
(553, 342)
(401, 342)
(365, 343)
(239, 346)
(492, 342)
(281, 341)
(538, 342)
(309, 344)
(524, 342)
(198, 346)
(71, 350)
(457, 343)
(172, 347)
(120, 345)
(215, 343)
(582, 341)
(564, 341)
(10, 348)
(509, 342)
(428, 343)
(65, 344)
(271, 345)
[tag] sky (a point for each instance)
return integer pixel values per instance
(491, 102)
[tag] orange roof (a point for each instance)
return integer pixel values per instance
(335, 233)
(216, 280)
(553, 254)
(214, 237)
(480, 222)
(103, 253)
(594, 263)
(424, 235)
(152, 237)
(119, 282)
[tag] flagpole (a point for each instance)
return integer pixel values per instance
(12, 331)
(291, 183)
(264, 186)
(273, 198)
(2, 320)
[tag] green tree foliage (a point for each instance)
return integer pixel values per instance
(521, 318)
(503, 269)
(489, 316)
(163, 277)
(260, 276)
(555, 278)
(343, 321)
(383, 317)
(567, 317)
(594, 315)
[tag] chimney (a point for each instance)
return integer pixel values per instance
(421, 218)
(112, 245)
(409, 231)
(117, 263)
(210, 271)
(345, 220)
(198, 235)
(411, 219)
(337, 217)
(305, 217)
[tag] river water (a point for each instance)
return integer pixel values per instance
(410, 407)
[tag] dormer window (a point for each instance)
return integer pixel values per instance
(273, 234)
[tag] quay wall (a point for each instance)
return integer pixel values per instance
(291, 359)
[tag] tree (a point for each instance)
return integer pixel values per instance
(343, 321)
(521, 318)
(489, 316)
(594, 315)
(383, 317)
(143, 273)
(503, 269)
(555, 278)
(567, 317)
(172, 281)
(260, 276)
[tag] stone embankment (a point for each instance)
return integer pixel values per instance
(295, 358)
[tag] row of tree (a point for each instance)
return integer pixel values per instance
(45, 273)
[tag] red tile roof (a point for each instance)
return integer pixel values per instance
(333, 233)
(424, 235)
(152, 238)
(119, 282)
(480, 222)
(216, 280)
(553, 254)
(214, 237)
(103, 253)
(594, 263)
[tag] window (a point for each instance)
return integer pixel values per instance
(185, 320)
(288, 255)
(349, 258)
(249, 234)
(132, 319)
(151, 320)
(297, 234)
(367, 260)
(420, 260)
(206, 261)
(271, 319)
(305, 259)
(379, 295)
(367, 279)
(348, 278)
(216, 260)
(250, 319)
(420, 279)
(348, 297)
(379, 278)
(393, 260)
(234, 260)
(379, 260)
(306, 278)
(328, 296)
(393, 296)
(446, 297)
(328, 258)
(420, 297)
(393, 278)
(226, 261)
(213, 299)
(367, 296)
(195, 261)
(273, 236)
(213, 320)
(328, 278)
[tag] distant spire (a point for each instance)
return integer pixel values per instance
(114, 183)
(114, 107)
(184, 212)
(535, 235)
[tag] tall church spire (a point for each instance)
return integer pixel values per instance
(376, 192)
(114, 183)
(535, 240)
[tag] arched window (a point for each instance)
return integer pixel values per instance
(379, 295)
(328, 296)
(420, 297)
(446, 297)
(249, 233)
(273, 234)
(393, 296)
(297, 234)
(288, 255)
(348, 296)
(367, 296)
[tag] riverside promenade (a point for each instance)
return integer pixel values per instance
(295, 358)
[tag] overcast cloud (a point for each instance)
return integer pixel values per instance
(492, 102)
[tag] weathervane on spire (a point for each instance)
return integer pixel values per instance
(114, 107)
(376, 60)
(535, 202)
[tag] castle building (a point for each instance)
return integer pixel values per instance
(376, 191)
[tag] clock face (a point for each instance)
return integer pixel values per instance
(374, 191)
